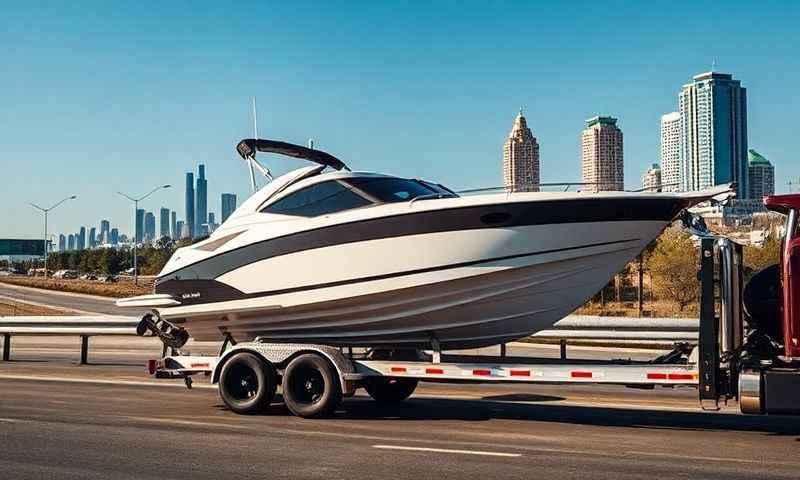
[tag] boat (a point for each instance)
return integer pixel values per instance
(330, 256)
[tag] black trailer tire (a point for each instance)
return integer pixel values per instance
(311, 387)
(247, 384)
(390, 390)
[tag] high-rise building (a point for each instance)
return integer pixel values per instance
(81, 240)
(92, 237)
(173, 231)
(651, 180)
(201, 205)
(670, 152)
(185, 231)
(520, 158)
(139, 234)
(164, 222)
(189, 203)
(713, 131)
(601, 155)
(71, 242)
(149, 227)
(179, 229)
(761, 175)
(105, 229)
(62, 243)
(228, 205)
(114, 237)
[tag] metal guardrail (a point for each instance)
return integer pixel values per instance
(573, 327)
(621, 329)
(83, 326)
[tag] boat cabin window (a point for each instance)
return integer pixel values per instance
(388, 189)
(319, 199)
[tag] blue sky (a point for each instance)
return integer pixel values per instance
(97, 97)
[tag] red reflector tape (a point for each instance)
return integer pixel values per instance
(520, 373)
(482, 373)
(198, 365)
(434, 371)
(681, 376)
(579, 374)
(399, 369)
(656, 376)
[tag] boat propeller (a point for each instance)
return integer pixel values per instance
(170, 335)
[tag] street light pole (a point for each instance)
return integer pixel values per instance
(46, 211)
(136, 229)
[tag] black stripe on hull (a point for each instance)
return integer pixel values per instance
(195, 292)
(577, 210)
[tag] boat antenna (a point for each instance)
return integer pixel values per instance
(311, 143)
(252, 163)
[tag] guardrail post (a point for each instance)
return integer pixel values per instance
(502, 350)
(6, 347)
(84, 349)
(563, 345)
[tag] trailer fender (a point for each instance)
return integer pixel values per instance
(279, 355)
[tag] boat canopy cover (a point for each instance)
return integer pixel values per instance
(248, 147)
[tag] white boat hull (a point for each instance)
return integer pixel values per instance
(498, 285)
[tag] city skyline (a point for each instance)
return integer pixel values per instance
(187, 102)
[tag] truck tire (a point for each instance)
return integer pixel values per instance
(311, 387)
(390, 390)
(247, 384)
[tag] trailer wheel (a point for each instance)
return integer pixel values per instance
(247, 384)
(390, 390)
(311, 386)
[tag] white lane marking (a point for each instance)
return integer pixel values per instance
(447, 450)
(10, 420)
(191, 423)
(101, 382)
(702, 459)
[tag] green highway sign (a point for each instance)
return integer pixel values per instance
(11, 246)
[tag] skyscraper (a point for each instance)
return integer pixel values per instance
(139, 234)
(189, 203)
(164, 222)
(520, 158)
(71, 242)
(92, 237)
(174, 226)
(62, 243)
(81, 240)
(651, 180)
(105, 229)
(201, 205)
(713, 133)
(601, 155)
(114, 237)
(228, 205)
(149, 227)
(179, 227)
(761, 175)
(670, 152)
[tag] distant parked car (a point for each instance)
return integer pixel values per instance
(89, 276)
(66, 274)
(108, 279)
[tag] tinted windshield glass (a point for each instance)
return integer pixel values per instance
(391, 189)
(319, 199)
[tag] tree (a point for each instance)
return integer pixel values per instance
(673, 265)
(758, 258)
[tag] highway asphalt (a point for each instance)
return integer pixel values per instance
(81, 303)
(109, 420)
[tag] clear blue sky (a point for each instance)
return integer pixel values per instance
(103, 96)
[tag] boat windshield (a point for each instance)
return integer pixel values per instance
(390, 189)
